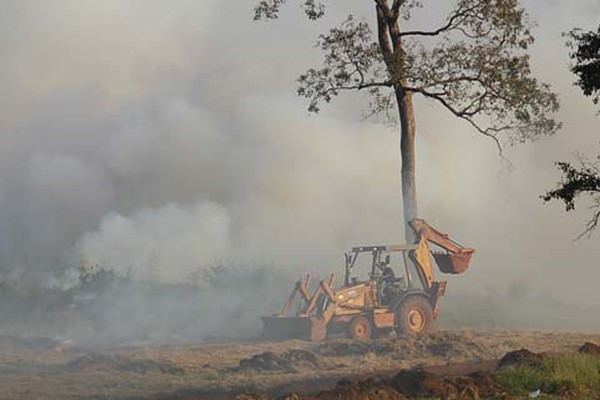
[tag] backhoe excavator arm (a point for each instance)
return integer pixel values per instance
(454, 261)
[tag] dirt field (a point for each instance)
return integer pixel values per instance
(46, 369)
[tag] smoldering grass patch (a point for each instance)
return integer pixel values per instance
(106, 309)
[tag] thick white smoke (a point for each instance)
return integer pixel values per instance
(159, 137)
(160, 244)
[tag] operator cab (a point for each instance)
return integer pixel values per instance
(389, 268)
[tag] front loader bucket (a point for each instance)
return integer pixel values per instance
(282, 328)
(452, 263)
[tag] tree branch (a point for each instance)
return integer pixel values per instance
(384, 7)
(384, 39)
(577, 181)
(490, 132)
(396, 8)
(360, 86)
(453, 23)
(592, 223)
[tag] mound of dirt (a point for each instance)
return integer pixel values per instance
(590, 348)
(521, 357)
(290, 361)
(409, 384)
(302, 358)
(418, 383)
(266, 362)
(370, 389)
(475, 386)
(98, 361)
(343, 348)
(452, 345)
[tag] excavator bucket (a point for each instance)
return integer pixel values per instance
(307, 324)
(452, 263)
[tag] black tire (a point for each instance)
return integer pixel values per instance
(360, 328)
(414, 316)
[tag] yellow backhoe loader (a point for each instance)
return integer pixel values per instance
(398, 295)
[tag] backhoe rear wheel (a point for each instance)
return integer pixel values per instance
(414, 316)
(360, 328)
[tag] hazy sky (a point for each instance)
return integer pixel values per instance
(166, 135)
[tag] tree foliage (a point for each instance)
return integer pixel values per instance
(474, 64)
(584, 178)
(587, 61)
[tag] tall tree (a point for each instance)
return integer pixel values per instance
(583, 178)
(474, 64)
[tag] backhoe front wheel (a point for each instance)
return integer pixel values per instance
(414, 316)
(360, 328)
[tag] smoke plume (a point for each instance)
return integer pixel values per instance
(147, 138)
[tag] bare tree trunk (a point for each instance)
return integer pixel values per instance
(390, 43)
(407, 155)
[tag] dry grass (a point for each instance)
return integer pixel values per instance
(43, 373)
